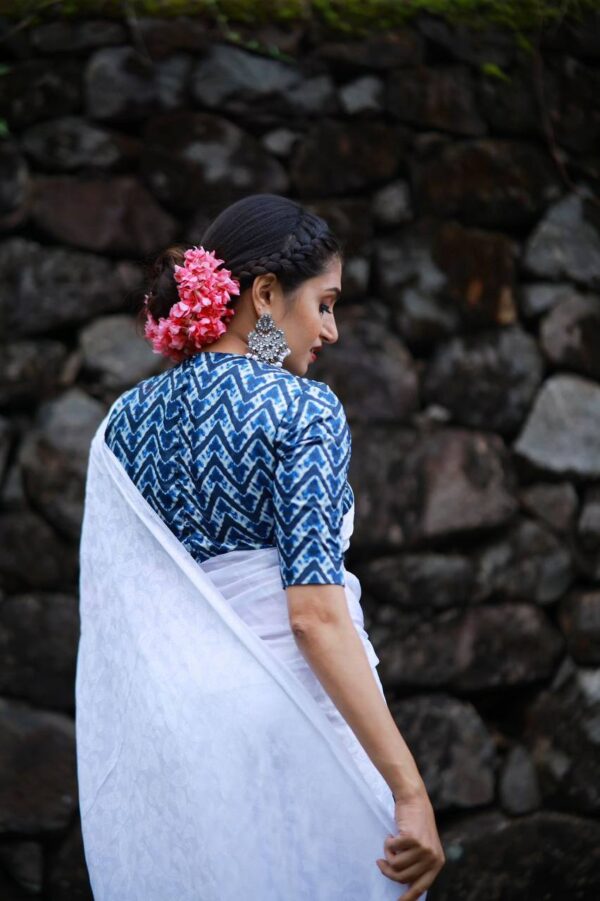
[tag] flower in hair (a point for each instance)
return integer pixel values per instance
(201, 314)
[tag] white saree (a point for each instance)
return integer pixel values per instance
(211, 764)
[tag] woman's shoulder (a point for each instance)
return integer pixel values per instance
(311, 404)
(311, 395)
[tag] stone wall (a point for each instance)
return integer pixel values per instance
(463, 174)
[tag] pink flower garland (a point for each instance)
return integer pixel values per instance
(201, 315)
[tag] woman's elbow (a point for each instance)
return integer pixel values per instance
(312, 608)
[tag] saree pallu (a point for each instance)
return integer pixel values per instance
(211, 764)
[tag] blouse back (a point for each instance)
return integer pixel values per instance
(237, 454)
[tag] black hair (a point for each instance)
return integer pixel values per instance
(258, 234)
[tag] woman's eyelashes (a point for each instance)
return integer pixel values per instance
(324, 308)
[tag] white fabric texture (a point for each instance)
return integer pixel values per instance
(211, 764)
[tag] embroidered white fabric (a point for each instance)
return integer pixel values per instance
(212, 765)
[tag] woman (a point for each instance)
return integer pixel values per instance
(233, 739)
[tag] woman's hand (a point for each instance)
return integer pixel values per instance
(415, 856)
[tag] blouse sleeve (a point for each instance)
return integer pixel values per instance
(310, 489)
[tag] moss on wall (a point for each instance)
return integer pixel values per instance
(352, 17)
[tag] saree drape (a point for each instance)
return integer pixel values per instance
(209, 767)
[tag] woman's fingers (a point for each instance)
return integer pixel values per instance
(401, 842)
(387, 869)
(409, 863)
(416, 890)
(403, 858)
(404, 874)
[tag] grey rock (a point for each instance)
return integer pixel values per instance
(39, 633)
(392, 204)
(465, 483)
(13, 495)
(487, 380)
(571, 102)
(15, 186)
(54, 457)
(232, 79)
(280, 141)
(358, 154)
(42, 288)
(562, 433)
(357, 271)
(479, 266)
(171, 77)
(417, 488)
(418, 581)
(406, 260)
(30, 371)
(588, 526)
(440, 97)
(369, 368)
(479, 649)
(518, 787)
(68, 878)
(562, 732)
(419, 655)
(570, 334)
(587, 545)
(423, 320)
(492, 183)
(452, 748)
(24, 862)
(492, 856)
(536, 299)
(528, 563)
(507, 644)
(37, 750)
(116, 216)
(32, 91)
(32, 556)
(384, 493)
(350, 219)
(6, 437)
(212, 163)
(363, 95)
(315, 96)
(566, 243)
(114, 348)
(119, 85)
(553, 503)
(579, 617)
(70, 143)
(510, 105)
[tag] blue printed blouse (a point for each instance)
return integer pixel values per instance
(238, 454)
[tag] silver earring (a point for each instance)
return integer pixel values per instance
(267, 342)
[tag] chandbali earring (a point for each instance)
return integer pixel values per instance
(267, 342)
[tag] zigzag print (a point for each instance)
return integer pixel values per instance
(236, 454)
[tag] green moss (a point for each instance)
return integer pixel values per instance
(351, 17)
(494, 71)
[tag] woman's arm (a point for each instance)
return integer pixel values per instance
(328, 639)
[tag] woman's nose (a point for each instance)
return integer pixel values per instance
(329, 332)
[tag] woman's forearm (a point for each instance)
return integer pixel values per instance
(336, 654)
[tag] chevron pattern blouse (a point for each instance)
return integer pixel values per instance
(237, 454)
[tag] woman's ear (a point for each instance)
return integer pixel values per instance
(263, 292)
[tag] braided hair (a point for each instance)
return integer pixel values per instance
(258, 234)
